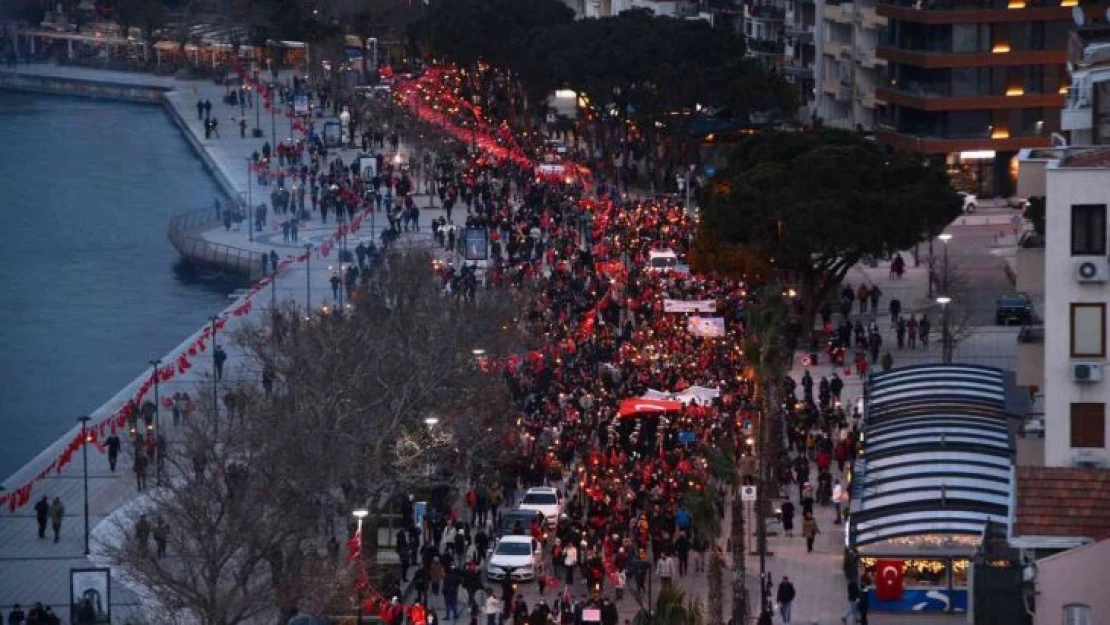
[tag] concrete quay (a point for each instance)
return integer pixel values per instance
(37, 570)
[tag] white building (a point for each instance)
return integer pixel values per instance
(847, 69)
(1086, 114)
(1075, 383)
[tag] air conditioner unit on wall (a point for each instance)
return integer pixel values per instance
(1092, 270)
(1084, 372)
(1089, 458)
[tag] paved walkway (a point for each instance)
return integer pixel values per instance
(37, 570)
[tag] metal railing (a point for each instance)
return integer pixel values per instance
(185, 232)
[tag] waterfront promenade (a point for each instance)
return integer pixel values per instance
(37, 570)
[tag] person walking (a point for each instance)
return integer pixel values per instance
(42, 513)
(785, 598)
(492, 608)
(887, 362)
(142, 533)
(666, 570)
(837, 493)
(57, 513)
(113, 445)
(895, 308)
(923, 327)
(863, 294)
(853, 598)
(140, 470)
(161, 536)
(219, 357)
(862, 606)
(810, 531)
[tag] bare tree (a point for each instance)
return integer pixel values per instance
(228, 513)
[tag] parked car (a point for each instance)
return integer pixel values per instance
(1013, 309)
(516, 522)
(514, 556)
(970, 201)
(545, 500)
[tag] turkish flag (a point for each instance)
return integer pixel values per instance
(888, 580)
(631, 407)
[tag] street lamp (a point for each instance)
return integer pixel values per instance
(946, 335)
(250, 204)
(215, 380)
(154, 364)
(360, 514)
(85, 472)
(945, 238)
(431, 421)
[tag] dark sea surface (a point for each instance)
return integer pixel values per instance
(90, 288)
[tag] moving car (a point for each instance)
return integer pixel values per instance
(514, 556)
(970, 201)
(1011, 309)
(545, 500)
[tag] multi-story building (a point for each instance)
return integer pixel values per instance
(970, 82)
(1086, 115)
(801, 51)
(765, 31)
(1072, 348)
(847, 68)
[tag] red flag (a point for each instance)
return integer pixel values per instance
(631, 407)
(888, 580)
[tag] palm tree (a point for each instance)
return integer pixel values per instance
(671, 608)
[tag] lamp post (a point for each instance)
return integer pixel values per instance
(308, 281)
(154, 364)
(359, 514)
(250, 203)
(945, 237)
(257, 110)
(215, 380)
(85, 472)
(946, 336)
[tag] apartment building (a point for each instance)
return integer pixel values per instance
(1072, 348)
(971, 82)
(1085, 119)
(847, 69)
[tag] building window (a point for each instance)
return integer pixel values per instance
(1077, 614)
(1088, 426)
(1088, 330)
(1088, 229)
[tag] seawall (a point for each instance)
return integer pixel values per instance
(60, 85)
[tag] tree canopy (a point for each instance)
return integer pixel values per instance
(495, 31)
(814, 204)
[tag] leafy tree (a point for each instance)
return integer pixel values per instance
(817, 203)
(495, 31)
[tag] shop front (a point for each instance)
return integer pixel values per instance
(935, 469)
(984, 173)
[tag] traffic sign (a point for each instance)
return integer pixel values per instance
(747, 493)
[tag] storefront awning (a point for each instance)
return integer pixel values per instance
(937, 460)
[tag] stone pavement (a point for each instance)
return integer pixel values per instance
(37, 570)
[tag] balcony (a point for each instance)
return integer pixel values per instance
(938, 97)
(800, 34)
(968, 11)
(840, 13)
(765, 12)
(927, 143)
(833, 48)
(1077, 113)
(844, 90)
(766, 46)
(938, 59)
(798, 72)
(831, 86)
(866, 99)
(867, 59)
(870, 19)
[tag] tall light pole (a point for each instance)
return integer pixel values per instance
(359, 514)
(154, 364)
(85, 472)
(215, 379)
(945, 237)
(250, 204)
(945, 336)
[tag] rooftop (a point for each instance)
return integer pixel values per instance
(1086, 158)
(1063, 501)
